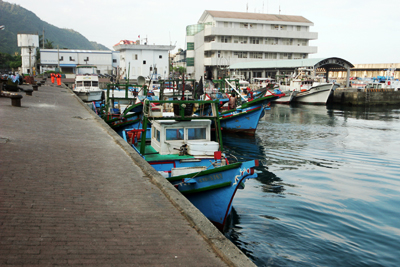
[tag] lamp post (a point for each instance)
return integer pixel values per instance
(30, 69)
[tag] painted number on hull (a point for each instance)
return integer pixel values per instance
(210, 178)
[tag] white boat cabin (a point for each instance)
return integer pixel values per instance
(168, 136)
(86, 81)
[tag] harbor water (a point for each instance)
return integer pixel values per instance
(328, 187)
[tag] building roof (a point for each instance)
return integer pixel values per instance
(257, 16)
(290, 63)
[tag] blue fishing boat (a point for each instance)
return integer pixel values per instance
(123, 105)
(179, 146)
(245, 117)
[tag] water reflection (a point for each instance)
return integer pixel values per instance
(328, 187)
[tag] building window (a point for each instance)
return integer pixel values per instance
(270, 41)
(114, 61)
(144, 62)
(218, 54)
(243, 40)
(287, 41)
(244, 25)
(253, 26)
(274, 27)
(270, 55)
(160, 56)
(135, 57)
(225, 39)
(255, 55)
(254, 40)
(240, 54)
(61, 58)
(190, 46)
(190, 62)
(71, 59)
(226, 24)
(298, 28)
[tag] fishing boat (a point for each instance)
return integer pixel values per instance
(180, 147)
(245, 117)
(87, 87)
(123, 104)
(308, 89)
(317, 94)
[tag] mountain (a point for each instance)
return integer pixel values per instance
(17, 19)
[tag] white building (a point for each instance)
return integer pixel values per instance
(67, 60)
(143, 60)
(28, 44)
(223, 38)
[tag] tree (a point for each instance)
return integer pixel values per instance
(8, 61)
(180, 69)
(48, 44)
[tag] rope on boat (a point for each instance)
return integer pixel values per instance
(212, 163)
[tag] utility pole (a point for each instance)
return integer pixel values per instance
(58, 58)
(30, 69)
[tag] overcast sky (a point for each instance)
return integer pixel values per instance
(360, 31)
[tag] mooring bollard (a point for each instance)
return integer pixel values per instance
(35, 87)
(28, 91)
(16, 100)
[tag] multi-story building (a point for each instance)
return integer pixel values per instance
(223, 38)
(28, 44)
(143, 60)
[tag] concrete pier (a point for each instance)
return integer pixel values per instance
(72, 192)
(358, 97)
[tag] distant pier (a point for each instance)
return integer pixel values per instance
(357, 97)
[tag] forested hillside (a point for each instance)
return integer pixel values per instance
(17, 19)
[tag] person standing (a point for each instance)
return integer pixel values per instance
(52, 75)
(232, 101)
(58, 79)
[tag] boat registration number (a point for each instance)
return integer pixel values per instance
(212, 177)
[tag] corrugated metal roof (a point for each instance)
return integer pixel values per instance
(270, 64)
(257, 16)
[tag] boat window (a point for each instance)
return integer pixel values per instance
(95, 83)
(196, 133)
(174, 134)
(80, 83)
(156, 134)
(86, 83)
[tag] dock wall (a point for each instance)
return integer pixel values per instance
(359, 97)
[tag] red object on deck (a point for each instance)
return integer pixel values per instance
(217, 155)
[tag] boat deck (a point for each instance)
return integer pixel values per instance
(152, 155)
(72, 192)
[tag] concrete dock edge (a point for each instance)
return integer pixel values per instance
(222, 246)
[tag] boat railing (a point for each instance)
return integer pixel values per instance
(183, 111)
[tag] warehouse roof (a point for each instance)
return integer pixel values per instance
(292, 63)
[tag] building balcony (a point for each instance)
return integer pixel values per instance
(215, 46)
(218, 31)
(231, 60)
